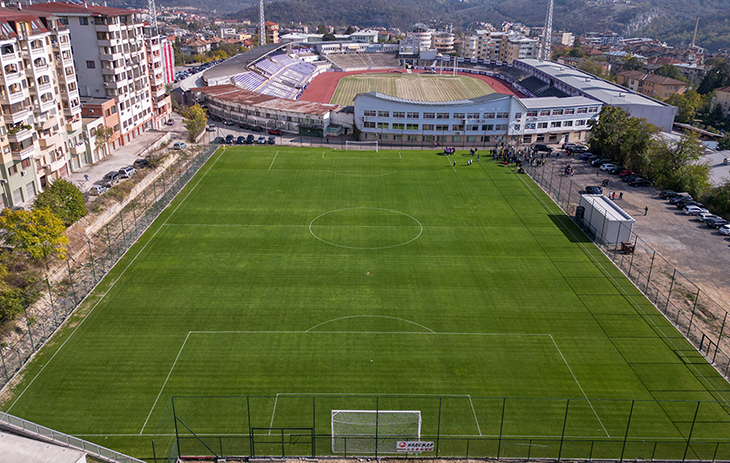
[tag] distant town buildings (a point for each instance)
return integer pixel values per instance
(498, 46)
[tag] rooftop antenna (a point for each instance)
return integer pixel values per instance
(694, 37)
(153, 14)
(262, 28)
(547, 34)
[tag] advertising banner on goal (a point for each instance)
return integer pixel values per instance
(414, 446)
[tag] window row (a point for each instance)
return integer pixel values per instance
(458, 116)
(562, 112)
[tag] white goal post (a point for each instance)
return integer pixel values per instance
(361, 145)
(359, 431)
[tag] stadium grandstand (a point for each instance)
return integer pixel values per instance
(362, 61)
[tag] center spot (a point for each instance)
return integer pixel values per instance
(365, 228)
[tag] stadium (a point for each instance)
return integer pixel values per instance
(310, 302)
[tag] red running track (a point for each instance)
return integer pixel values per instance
(322, 88)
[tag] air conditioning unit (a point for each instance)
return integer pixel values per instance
(47, 167)
(23, 172)
(3, 181)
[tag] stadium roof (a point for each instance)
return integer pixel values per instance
(240, 96)
(63, 8)
(553, 101)
(238, 63)
(470, 101)
(604, 91)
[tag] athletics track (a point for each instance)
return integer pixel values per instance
(322, 88)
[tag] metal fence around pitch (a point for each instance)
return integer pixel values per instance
(699, 318)
(459, 426)
(59, 294)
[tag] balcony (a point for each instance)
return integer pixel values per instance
(13, 98)
(107, 27)
(20, 135)
(45, 106)
(18, 116)
(108, 71)
(111, 57)
(73, 126)
(11, 77)
(23, 154)
(78, 149)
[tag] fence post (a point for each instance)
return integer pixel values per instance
(5, 368)
(674, 274)
(91, 259)
(438, 429)
(626, 435)
(30, 332)
(377, 416)
(501, 426)
(121, 221)
(314, 421)
(562, 434)
(250, 434)
(719, 338)
(174, 418)
(50, 296)
(691, 319)
(691, 429)
(651, 267)
(70, 279)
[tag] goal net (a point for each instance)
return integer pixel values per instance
(361, 145)
(360, 431)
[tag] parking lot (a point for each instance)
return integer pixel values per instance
(701, 253)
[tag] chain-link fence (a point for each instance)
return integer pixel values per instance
(292, 425)
(68, 283)
(703, 321)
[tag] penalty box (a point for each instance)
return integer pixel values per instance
(297, 378)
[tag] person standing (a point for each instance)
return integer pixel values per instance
(621, 195)
(646, 210)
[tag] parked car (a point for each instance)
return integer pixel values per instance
(616, 170)
(261, 140)
(716, 223)
(170, 122)
(594, 190)
(141, 163)
(626, 173)
(640, 182)
(97, 190)
(229, 139)
(127, 172)
(586, 156)
(257, 128)
(680, 197)
(724, 230)
(210, 128)
(274, 132)
(600, 162)
(241, 140)
(704, 216)
(689, 202)
(608, 166)
(579, 149)
(111, 179)
(629, 178)
(250, 139)
(542, 148)
(667, 194)
(179, 146)
(694, 210)
(229, 123)
(272, 140)
(219, 140)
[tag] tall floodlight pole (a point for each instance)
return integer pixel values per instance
(153, 15)
(547, 35)
(262, 29)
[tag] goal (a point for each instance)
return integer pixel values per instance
(364, 431)
(361, 145)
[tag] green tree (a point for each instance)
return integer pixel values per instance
(18, 284)
(670, 71)
(195, 121)
(329, 37)
(576, 52)
(718, 76)
(321, 29)
(622, 138)
(674, 164)
(724, 144)
(103, 135)
(688, 104)
(632, 63)
(349, 30)
(39, 232)
(64, 199)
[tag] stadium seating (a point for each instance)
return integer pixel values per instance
(249, 80)
(347, 61)
(269, 67)
(533, 85)
(552, 91)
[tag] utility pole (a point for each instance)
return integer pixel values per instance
(262, 28)
(547, 34)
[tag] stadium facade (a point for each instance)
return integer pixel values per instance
(551, 103)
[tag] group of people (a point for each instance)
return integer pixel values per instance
(612, 195)
(449, 150)
(569, 170)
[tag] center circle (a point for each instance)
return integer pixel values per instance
(365, 228)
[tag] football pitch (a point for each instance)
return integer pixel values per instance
(421, 87)
(316, 280)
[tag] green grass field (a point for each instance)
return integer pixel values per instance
(293, 273)
(422, 87)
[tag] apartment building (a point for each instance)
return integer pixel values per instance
(40, 104)
(498, 46)
(111, 59)
(160, 68)
(652, 85)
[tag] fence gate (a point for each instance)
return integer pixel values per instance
(285, 442)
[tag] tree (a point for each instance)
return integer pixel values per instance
(103, 135)
(329, 37)
(670, 71)
(39, 232)
(724, 142)
(622, 138)
(688, 104)
(674, 164)
(632, 63)
(718, 76)
(321, 29)
(18, 284)
(349, 30)
(64, 199)
(195, 121)
(576, 52)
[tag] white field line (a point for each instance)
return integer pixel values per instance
(165, 383)
(579, 386)
(630, 298)
(370, 316)
(272, 162)
(441, 227)
(488, 436)
(399, 155)
(450, 163)
(113, 283)
(273, 412)
(476, 420)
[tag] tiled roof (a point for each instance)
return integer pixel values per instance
(234, 94)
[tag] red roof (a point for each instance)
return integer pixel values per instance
(233, 94)
(68, 8)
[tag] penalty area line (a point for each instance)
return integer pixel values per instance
(272, 162)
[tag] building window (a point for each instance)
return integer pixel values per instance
(458, 115)
(399, 114)
(569, 112)
(427, 126)
(518, 115)
(488, 127)
(567, 123)
(411, 126)
(442, 127)
(488, 115)
(84, 21)
(580, 122)
(383, 125)
(383, 113)
(555, 124)
(368, 112)
(90, 65)
(412, 137)
(531, 113)
(545, 112)
(542, 125)
(582, 110)
(593, 109)
(413, 115)
(557, 112)
(472, 116)
(397, 126)
(429, 115)
(369, 125)
(442, 116)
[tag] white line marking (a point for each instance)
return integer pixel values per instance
(475, 416)
(579, 386)
(272, 162)
(370, 316)
(399, 156)
(322, 154)
(113, 283)
(165, 383)
(273, 412)
(450, 163)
